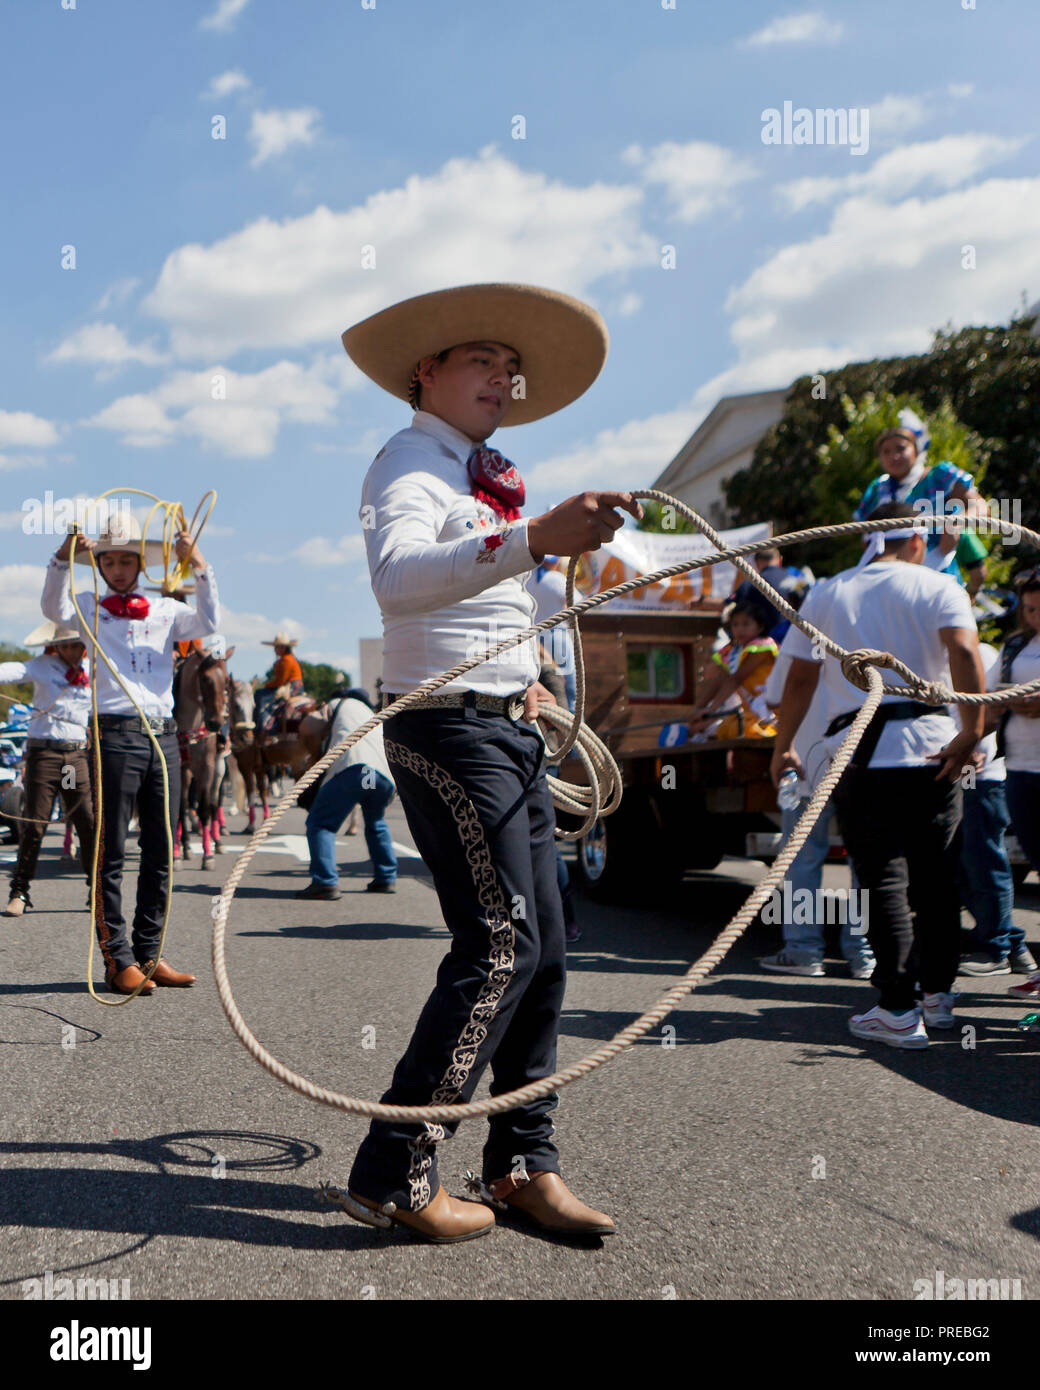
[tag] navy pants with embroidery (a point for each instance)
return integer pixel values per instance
(473, 789)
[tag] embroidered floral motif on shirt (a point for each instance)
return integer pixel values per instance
(486, 553)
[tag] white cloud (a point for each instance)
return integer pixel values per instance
(20, 590)
(896, 114)
(224, 16)
(627, 457)
(698, 177)
(942, 164)
(300, 281)
(19, 427)
(883, 276)
(808, 27)
(226, 84)
(117, 293)
(244, 423)
(9, 462)
(273, 132)
(318, 552)
(103, 344)
(960, 90)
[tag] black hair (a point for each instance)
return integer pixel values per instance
(888, 511)
(753, 610)
(415, 387)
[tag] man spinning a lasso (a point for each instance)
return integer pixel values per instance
(449, 554)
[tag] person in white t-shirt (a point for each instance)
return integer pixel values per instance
(449, 553)
(1019, 734)
(899, 803)
(987, 887)
(802, 925)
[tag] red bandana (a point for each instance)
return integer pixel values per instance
(75, 675)
(126, 606)
(496, 482)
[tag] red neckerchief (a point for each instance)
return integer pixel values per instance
(126, 605)
(75, 675)
(496, 482)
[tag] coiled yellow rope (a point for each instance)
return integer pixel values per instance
(860, 668)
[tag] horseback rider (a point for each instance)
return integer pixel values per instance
(285, 681)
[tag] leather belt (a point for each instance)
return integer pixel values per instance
(512, 706)
(134, 724)
(884, 714)
(57, 745)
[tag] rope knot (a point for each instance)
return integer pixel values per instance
(854, 665)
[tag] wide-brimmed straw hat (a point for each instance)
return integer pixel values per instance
(562, 343)
(123, 533)
(281, 639)
(48, 633)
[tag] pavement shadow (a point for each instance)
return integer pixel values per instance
(357, 931)
(990, 1069)
(172, 1199)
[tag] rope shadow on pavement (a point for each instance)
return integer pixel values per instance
(213, 1206)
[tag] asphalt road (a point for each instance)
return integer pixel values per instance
(757, 1152)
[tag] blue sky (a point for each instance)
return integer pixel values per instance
(393, 127)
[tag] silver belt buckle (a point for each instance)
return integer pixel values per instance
(516, 708)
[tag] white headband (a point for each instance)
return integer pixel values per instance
(874, 544)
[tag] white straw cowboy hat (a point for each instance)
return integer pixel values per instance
(562, 343)
(48, 633)
(123, 533)
(281, 639)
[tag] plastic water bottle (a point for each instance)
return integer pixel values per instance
(787, 797)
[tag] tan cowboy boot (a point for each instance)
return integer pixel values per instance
(443, 1221)
(547, 1201)
(126, 981)
(19, 902)
(164, 974)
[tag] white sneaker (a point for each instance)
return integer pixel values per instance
(896, 1030)
(792, 963)
(938, 1010)
(862, 970)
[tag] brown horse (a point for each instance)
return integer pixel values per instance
(201, 709)
(293, 750)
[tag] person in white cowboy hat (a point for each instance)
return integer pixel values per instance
(55, 750)
(285, 680)
(138, 636)
(449, 555)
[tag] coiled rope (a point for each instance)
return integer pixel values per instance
(859, 667)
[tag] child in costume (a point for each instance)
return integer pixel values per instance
(735, 690)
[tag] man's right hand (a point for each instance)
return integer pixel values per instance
(581, 523)
(83, 543)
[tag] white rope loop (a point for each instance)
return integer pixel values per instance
(862, 662)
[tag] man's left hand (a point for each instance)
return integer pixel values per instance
(534, 696)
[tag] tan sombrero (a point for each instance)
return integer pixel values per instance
(124, 533)
(281, 639)
(48, 632)
(562, 343)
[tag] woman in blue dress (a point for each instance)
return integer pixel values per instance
(907, 477)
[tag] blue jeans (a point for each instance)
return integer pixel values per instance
(1023, 800)
(807, 872)
(987, 888)
(337, 798)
